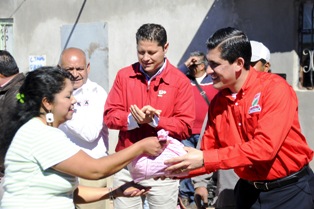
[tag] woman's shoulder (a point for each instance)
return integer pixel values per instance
(36, 127)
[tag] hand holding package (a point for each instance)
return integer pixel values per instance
(146, 167)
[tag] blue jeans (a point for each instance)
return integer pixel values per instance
(186, 187)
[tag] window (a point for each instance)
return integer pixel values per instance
(6, 34)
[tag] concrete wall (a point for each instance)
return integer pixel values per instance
(37, 26)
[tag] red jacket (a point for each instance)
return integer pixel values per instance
(257, 133)
(169, 91)
(201, 106)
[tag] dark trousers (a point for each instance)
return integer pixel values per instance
(299, 195)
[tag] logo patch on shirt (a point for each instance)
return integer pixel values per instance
(255, 106)
(161, 92)
(82, 103)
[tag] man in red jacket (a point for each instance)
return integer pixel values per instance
(253, 128)
(148, 96)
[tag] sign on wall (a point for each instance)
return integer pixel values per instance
(36, 61)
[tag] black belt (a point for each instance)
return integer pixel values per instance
(269, 185)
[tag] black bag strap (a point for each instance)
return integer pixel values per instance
(202, 92)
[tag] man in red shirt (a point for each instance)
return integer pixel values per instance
(147, 96)
(253, 128)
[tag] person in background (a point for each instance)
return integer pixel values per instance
(195, 68)
(10, 81)
(260, 57)
(147, 96)
(245, 131)
(42, 164)
(225, 180)
(86, 128)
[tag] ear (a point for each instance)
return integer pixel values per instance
(46, 105)
(88, 68)
(239, 64)
(204, 66)
(166, 47)
(266, 67)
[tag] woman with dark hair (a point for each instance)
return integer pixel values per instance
(42, 165)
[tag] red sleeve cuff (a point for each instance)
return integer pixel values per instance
(211, 160)
(197, 172)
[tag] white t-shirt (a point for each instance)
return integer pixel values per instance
(86, 128)
(30, 182)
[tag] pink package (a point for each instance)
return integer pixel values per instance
(146, 167)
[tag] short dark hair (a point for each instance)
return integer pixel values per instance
(8, 66)
(233, 44)
(152, 32)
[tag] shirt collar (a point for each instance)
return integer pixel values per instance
(158, 72)
(250, 81)
(200, 79)
(84, 87)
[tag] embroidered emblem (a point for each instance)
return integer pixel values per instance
(161, 92)
(82, 103)
(255, 106)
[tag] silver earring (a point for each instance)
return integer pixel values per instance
(49, 118)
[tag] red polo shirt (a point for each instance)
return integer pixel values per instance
(256, 132)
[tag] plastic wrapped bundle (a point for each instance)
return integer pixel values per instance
(146, 167)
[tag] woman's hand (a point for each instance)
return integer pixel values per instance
(130, 189)
(151, 145)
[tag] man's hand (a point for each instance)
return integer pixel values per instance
(144, 115)
(201, 197)
(191, 61)
(149, 110)
(190, 161)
